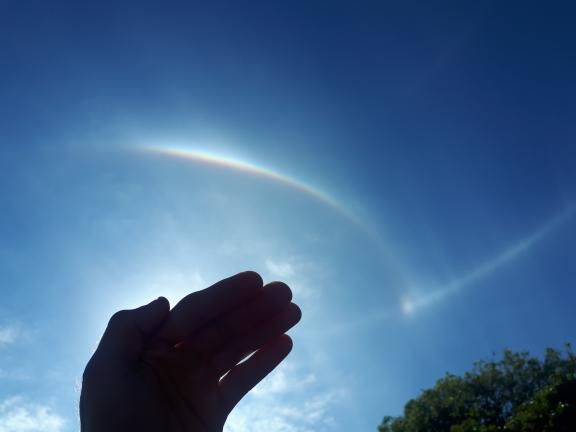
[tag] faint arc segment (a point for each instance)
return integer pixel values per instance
(238, 165)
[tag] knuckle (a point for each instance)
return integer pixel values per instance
(90, 371)
(120, 319)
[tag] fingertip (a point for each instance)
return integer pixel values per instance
(154, 314)
(252, 278)
(282, 291)
(244, 376)
(249, 282)
(287, 340)
(159, 307)
(163, 303)
(285, 343)
(277, 348)
(295, 313)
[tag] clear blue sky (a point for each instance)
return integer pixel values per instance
(425, 218)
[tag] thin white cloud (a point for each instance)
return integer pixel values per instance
(281, 269)
(311, 412)
(296, 271)
(288, 400)
(282, 381)
(19, 415)
(14, 375)
(315, 410)
(9, 334)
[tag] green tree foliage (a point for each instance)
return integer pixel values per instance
(517, 393)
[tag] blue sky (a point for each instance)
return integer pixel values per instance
(425, 215)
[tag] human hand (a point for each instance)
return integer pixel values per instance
(179, 371)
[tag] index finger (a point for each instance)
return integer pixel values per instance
(198, 308)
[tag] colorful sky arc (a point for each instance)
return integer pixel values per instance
(209, 158)
(411, 303)
(374, 235)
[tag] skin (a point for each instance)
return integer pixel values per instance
(178, 370)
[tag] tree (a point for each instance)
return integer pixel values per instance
(517, 393)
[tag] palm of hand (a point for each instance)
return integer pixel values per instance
(181, 372)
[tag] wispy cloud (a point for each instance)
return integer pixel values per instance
(19, 415)
(280, 269)
(9, 334)
(282, 381)
(311, 413)
(288, 400)
(296, 271)
(14, 375)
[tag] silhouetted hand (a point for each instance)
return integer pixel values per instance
(157, 370)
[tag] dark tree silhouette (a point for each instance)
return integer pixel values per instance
(518, 393)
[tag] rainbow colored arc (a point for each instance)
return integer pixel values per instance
(238, 165)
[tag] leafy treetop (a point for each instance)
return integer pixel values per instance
(518, 393)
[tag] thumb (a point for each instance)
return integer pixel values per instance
(128, 330)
